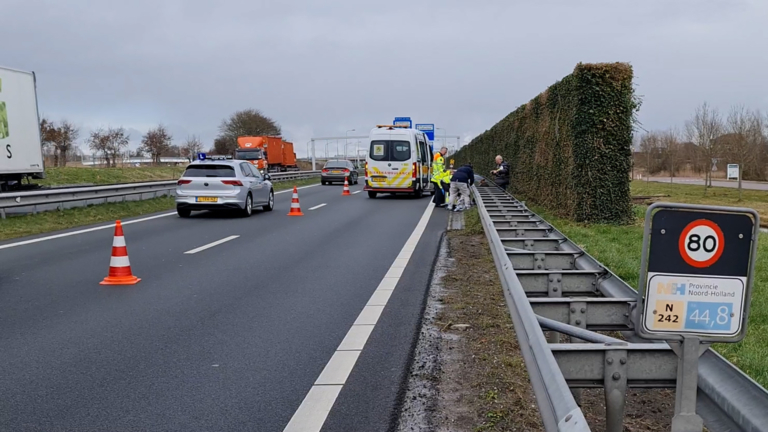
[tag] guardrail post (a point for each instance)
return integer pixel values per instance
(554, 289)
(615, 387)
(577, 317)
(688, 352)
(2, 213)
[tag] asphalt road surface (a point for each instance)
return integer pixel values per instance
(227, 337)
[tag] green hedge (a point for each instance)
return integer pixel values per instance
(569, 149)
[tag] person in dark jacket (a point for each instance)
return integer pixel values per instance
(501, 173)
(462, 179)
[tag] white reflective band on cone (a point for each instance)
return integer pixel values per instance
(119, 262)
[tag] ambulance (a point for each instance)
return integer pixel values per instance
(399, 160)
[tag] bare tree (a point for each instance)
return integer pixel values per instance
(48, 132)
(117, 141)
(63, 138)
(736, 143)
(98, 142)
(703, 130)
(191, 147)
(223, 146)
(669, 141)
(249, 122)
(156, 142)
(649, 146)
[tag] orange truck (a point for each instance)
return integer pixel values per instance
(267, 153)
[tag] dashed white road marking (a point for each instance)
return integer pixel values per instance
(112, 225)
(356, 192)
(318, 206)
(210, 245)
(314, 409)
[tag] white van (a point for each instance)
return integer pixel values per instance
(399, 160)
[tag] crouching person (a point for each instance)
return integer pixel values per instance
(462, 179)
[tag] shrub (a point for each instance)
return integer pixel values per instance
(569, 149)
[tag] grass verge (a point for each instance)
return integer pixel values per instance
(80, 175)
(21, 226)
(494, 379)
(694, 194)
(619, 249)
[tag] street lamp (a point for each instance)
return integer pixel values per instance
(345, 142)
(345, 150)
(445, 139)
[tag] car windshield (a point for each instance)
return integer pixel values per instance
(249, 155)
(390, 151)
(209, 171)
(336, 164)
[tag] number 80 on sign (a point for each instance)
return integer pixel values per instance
(701, 243)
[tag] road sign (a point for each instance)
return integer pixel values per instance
(201, 156)
(733, 172)
(428, 129)
(696, 275)
(403, 121)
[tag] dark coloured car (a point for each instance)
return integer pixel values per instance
(337, 171)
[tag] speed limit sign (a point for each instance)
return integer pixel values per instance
(696, 274)
(701, 243)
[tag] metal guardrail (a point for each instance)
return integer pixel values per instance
(59, 196)
(552, 284)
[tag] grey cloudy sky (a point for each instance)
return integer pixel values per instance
(320, 68)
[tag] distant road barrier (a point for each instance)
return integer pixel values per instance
(47, 197)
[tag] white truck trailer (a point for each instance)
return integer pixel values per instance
(21, 151)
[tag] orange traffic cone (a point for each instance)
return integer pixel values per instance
(119, 265)
(295, 207)
(346, 188)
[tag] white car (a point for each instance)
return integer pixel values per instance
(220, 183)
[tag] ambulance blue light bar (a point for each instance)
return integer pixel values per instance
(203, 156)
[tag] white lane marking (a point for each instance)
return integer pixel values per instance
(314, 409)
(298, 188)
(112, 225)
(210, 245)
(338, 368)
(356, 192)
(318, 206)
(356, 337)
(370, 315)
(380, 298)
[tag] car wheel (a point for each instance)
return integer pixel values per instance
(418, 193)
(185, 213)
(371, 194)
(356, 179)
(248, 210)
(322, 182)
(271, 204)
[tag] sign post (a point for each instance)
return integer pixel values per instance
(695, 286)
(733, 172)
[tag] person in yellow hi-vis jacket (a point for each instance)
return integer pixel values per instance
(438, 173)
(445, 182)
